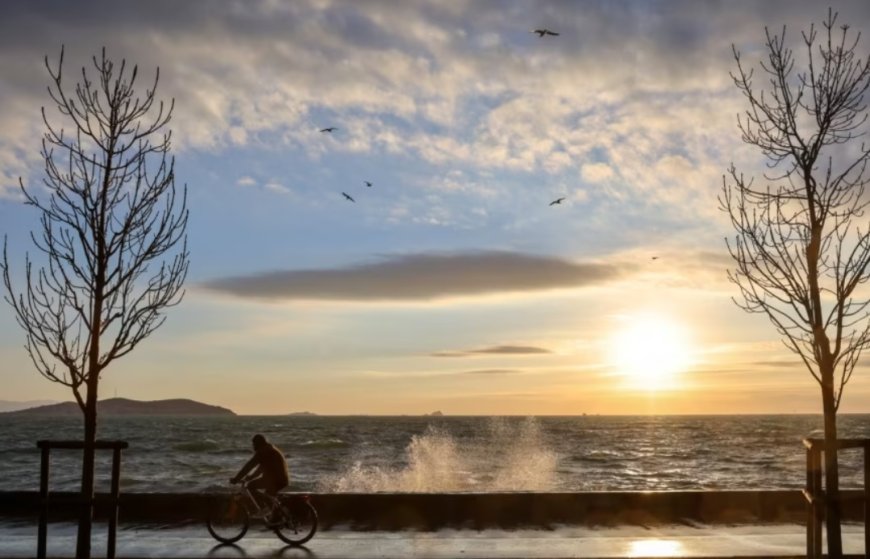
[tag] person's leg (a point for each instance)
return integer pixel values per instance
(256, 487)
(272, 490)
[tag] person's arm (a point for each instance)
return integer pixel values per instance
(245, 469)
(258, 471)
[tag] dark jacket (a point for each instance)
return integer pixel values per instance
(271, 465)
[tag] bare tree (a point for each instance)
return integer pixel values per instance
(108, 211)
(802, 246)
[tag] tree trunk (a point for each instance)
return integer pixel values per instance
(832, 472)
(83, 543)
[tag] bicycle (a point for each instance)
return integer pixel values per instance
(294, 519)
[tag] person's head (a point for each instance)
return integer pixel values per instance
(259, 441)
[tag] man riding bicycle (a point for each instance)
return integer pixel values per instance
(270, 476)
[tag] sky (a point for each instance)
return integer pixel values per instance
(451, 283)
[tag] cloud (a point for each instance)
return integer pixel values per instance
(490, 372)
(637, 83)
(421, 277)
(441, 374)
(495, 350)
(596, 172)
(246, 181)
(276, 186)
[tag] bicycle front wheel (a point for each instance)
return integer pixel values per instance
(297, 522)
(229, 521)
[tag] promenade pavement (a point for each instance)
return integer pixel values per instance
(18, 540)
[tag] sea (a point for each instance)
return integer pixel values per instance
(441, 454)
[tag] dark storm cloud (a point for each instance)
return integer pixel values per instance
(495, 350)
(421, 277)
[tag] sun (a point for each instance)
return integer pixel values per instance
(650, 351)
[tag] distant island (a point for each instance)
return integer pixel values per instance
(14, 405)
(302, 414)
(124, 406)
(436, 413)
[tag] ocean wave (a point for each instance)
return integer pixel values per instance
(197, 446)
(19, 451)
(322, 443)
(452, 454)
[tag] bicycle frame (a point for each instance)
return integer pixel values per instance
(250, 502)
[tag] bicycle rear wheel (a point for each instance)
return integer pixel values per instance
(297, 522)
(229, 520)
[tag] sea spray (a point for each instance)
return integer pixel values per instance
(526, 463)
(506, 456)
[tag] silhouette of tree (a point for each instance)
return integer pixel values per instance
(802, 245)
(108, 211)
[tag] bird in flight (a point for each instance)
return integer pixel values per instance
(330, 129)
(556, 201)
(348, 196)
(543, 32)
(368, 184)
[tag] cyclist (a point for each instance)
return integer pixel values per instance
(270, 475)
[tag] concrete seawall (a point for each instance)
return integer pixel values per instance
(429, 511)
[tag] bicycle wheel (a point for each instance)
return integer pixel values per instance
(229, 520)
(297, 523)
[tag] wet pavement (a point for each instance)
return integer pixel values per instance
(18, 540)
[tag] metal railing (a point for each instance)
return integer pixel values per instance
(815, 495)
(46, 447)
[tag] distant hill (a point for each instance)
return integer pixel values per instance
(11, 405)
(124, 406)
(302, 414)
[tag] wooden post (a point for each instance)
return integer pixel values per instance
(45, 447)
(866, 498)
(810, 496)
(42, 534)
(818, 501)
(815, 492)
(113, 511)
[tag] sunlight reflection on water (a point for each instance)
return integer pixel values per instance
(655, 548)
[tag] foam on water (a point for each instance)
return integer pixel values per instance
(506, 457)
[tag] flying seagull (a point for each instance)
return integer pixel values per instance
(543, 32)
(368, 183)
(348, 196)
(556, 201)
(330, 129)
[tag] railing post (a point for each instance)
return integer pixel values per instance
(42, 533)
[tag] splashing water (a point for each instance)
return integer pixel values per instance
(506, 457)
